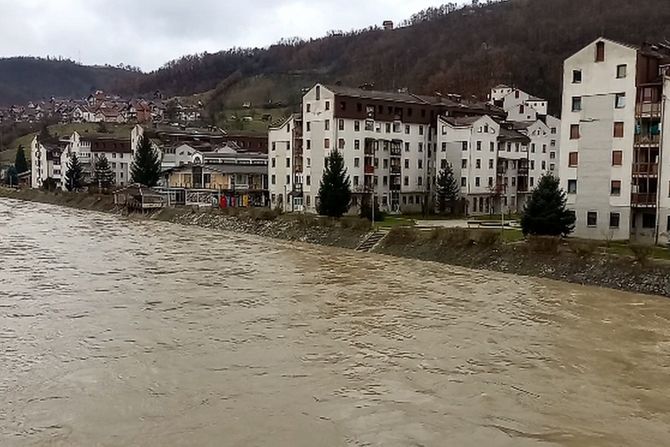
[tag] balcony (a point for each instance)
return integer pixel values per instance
(647, 140)
(647, 200)
(395, 170)
(395, 187)
(369, 170)
(649, 110)
(645, 169)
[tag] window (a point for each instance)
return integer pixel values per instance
(464, 182)
(478, 163)
(407, 129)
(576, 76)
(420, 130)
(357, 162)
(420, 164)
(318, 92)
(574, 131)
(464, 163)
(308, 126)
(406, 147)
(388, 127)
(532, 148)
(592, 219)
(406, 181)
(288, 162)
(615, 189)
(274, 146)
(465, 145)
(600, 51)
(355, 180)
(620, 101)
(615, 220)
(309, 107)
(532, 165)
(340, 125)
(532, 182)
(490, 163)
(544, 148)
(357, 145)
(406, 163)
(668, 227)
(288, 179)
(357, 126)
(340, 143)
(326, 143)
(477, 182)
(648, 220)
(273, 179)
(327, 124)
(308, 180)
(618, 130)
(444, 147)
(572, 186)
(576, 103)
(309, 144)
(443, 164)
(420, 181)
(573, 159)
(544, 165)
(490, 182)
(617, 158)
(420, 147)
(327, 105)
(479, 145)
(621, 71)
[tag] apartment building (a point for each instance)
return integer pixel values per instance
(50, 159)
(286, 164)
(612, 164)
(388, 141)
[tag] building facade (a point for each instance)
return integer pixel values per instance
(611, 164)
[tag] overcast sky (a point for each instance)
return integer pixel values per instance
(148, 33)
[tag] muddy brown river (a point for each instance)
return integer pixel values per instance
(122, 333)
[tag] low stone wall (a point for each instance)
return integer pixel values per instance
(435, 245)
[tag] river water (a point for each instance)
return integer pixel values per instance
(120, 333)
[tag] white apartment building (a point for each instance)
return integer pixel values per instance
(50, 160)
(387, 141)
(611, 162)
(285, 165)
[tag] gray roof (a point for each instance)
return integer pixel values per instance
(226, 168)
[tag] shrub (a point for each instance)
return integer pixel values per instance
(488, 238)
(401, 236)
(366, 213)
(263, 214)
(642, 252)
(584, 249)
(355, 223)
(544, 244)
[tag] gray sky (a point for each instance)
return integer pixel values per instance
(148, 33)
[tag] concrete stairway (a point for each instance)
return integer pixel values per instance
(372, 241)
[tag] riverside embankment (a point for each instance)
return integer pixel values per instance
(456, 247)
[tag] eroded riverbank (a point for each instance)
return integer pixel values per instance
(615, 272)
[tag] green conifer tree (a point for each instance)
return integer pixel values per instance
(545, 213)
(74, 175)
(146, 167)
(103, 176)
(20, 162)
(335, 187)
(447, 189)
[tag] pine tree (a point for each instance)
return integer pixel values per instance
(74, 176)
(335, 188)
(20, 162)
(447, 189)
(545, 213)
(103, 176)
(146, 168)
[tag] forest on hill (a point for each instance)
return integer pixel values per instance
(447, 49)
(24, 79)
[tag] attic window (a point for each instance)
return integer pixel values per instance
(318, 92)
(600, 52)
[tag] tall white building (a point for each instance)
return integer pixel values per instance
(612, 164)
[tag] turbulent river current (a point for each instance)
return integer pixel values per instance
(126, 333)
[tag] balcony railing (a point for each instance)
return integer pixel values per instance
(647, 140)
(643, 199)
(645, 169)
(397, 170)
(649, 109)
(369, 169)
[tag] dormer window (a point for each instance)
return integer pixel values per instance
(600, 52)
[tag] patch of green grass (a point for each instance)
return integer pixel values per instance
(511, 235)
(395, 221)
